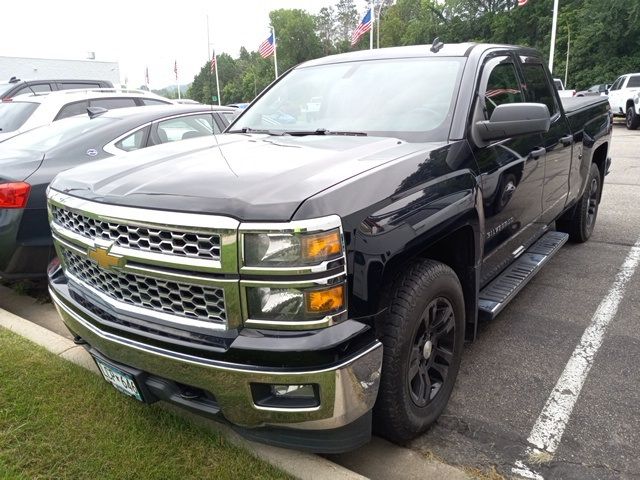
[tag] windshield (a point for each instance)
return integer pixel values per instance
(49, 136)
(410, 98)
(14, 114)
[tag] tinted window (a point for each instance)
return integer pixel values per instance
(113, 103)
(38, 87)
(538, 87)
(183, 128)
(558, 84)
(502, 84)
(409, 98)
(134, 141)
(616, 84)
(70, 86)
(153, 101)
(634, 81)
(14, 114)
(72, 109)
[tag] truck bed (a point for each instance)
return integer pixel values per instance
(583, 110)
(574, 104)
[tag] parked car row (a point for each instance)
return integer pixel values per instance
(43, 135)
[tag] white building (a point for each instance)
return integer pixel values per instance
(45, 68)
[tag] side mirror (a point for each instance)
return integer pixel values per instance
(513, 119)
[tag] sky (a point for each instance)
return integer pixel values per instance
(140, 34)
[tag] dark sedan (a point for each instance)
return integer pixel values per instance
(28, 162)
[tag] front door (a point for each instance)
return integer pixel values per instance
(512, 172)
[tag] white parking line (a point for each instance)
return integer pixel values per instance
(552, 421)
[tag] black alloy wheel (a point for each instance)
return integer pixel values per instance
(432, 351)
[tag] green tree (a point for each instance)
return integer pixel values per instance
(296, 37)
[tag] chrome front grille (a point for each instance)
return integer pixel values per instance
(175, 298)
(204, 245)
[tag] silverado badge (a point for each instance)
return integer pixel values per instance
(104, 259)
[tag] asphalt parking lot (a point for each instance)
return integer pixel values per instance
(509, 373)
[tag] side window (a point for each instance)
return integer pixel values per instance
(538, 86)
(634, 81)
(72, 86)
(183, 128)
(135, 141)
(72, 109)
(616, 84)
(153, 101)
(227, 117)
(113, 103)
(502, 85)
(37, 87)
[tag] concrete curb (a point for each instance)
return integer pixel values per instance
(305, 466)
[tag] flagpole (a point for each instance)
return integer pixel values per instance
(566, 68)
(554, 26)
(215, 59)
(275, 50)
(373, 16)
(209, 55)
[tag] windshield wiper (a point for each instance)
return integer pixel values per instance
(255, 130)
(323, 131)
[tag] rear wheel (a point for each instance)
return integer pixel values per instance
(580, 220)
(633, 119)
(423, 337)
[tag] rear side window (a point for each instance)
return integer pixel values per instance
(538, 87)
(135, 141)
(634, 81)
(113, 103)
(14, 114)
(183, 128)
(153, 101)
(37, 88)
(71, 86)
(502, 84)
(73, 109)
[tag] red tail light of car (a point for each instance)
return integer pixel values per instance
(14, 194)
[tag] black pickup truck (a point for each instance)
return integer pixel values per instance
(316, 269)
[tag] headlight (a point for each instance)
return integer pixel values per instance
(291, 249)
(294, 304)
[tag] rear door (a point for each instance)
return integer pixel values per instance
(557, 141)
(616, 94)
(512, 172)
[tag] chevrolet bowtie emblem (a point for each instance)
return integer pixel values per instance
(106, 260)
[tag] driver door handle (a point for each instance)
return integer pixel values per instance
(537, 153)
(567, 141)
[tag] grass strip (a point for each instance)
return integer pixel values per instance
(59, 421)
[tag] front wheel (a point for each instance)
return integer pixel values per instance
(423, 337)
(633, 119)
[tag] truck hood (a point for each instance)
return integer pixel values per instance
(249, 177)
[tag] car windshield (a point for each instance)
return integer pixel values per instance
(14, 114)
(634, 81)
(49, 136)
(410, 98)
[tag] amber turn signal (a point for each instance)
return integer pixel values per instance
(324, 301)
(321, 246)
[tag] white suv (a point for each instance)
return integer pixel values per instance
(624, 99)
(24, 112)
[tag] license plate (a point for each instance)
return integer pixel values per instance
(122, 381)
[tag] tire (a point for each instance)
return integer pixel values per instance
(426, 307)
(581, 219)
(633, 119)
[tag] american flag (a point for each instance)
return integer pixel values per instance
(267, 47)
(363, 27)
(175, 69)
(522, 3)
(213, 63)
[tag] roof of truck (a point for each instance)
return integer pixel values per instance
(447, 50)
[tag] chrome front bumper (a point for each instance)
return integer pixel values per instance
(347, 390)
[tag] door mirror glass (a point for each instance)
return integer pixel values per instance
(515, 119)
